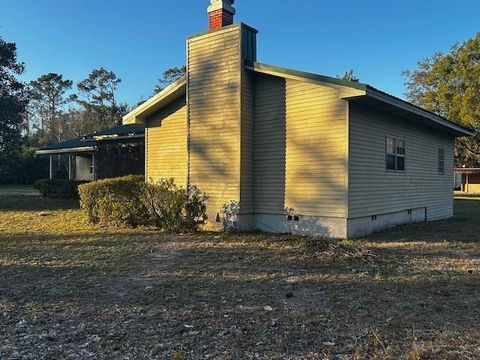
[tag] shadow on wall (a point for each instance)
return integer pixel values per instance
(270, 141)
(298, 163)
(291, 188)
(156, 119)
(214, 132)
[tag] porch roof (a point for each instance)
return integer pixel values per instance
(76, 145)
(88, 143)
(470, 171)
(123, 131)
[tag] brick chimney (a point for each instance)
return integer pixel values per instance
(220, 13)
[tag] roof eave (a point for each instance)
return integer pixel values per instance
(119, 137)
(470, 171)
(362, 90)
(66, 151)
(459, 131)
(133, 129)
(302, 75)
(138, 115)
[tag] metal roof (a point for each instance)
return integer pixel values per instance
(259, 67)
(89, 142)
(72, 145)
(440, 120)
(131, 130)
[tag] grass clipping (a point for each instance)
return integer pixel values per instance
(333, 249)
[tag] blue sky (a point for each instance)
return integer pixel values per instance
(139, 39)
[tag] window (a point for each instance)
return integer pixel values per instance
(441, 161)
(395, 154)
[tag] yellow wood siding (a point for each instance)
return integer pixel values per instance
(373, 190)
(471, 183)
(270, 144)
(316, 149)
(166, 142)
(214, 115)
(472, 188)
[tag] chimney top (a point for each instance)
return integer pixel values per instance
(220, 13)
(226, 5)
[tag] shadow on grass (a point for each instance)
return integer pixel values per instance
(229, 289)
(147, 288)
(464, 227)
(35, 203)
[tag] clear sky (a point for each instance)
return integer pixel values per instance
(139, 39)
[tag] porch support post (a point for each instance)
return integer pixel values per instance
(51, 167)
(468, 183)
(70, 175)
(94, 167)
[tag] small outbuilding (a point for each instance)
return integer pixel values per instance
(105, 154)
(469, 180)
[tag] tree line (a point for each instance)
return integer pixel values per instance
(449, 85)
(52, 109)
(54, 114)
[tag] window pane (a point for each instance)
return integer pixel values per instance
(400, 147)
(441, 154)
(441, 161)
(390, 162)
(390, 145)
(441, 169)
(400, 163)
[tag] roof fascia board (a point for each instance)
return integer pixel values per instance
(66, 151)
(137, 115)
(469, 171)
(308, 77)
(106, 138)
(371, 92)
(111, 132)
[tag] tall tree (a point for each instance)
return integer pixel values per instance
(48, 95)
(449, 85)
(97, 97)
(12, 106)
(169, 76)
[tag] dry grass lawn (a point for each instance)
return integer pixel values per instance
(71, 290)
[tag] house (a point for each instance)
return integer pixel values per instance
(294, 151)
(469, 180)
(104, 154)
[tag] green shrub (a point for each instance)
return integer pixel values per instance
(173, 208)
(129, 201)
(58, 188)
(117, 201)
